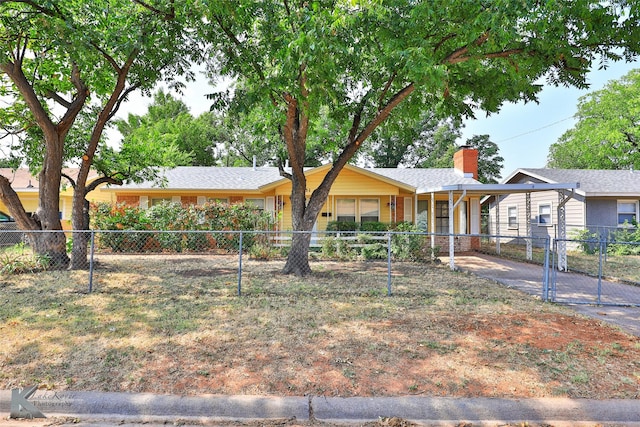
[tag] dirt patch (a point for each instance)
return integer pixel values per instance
(163, 325)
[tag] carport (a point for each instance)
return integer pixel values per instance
(459, 192)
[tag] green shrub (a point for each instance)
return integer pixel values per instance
(588, 242)
(335, 247)
(628, 238)
(408, 246)
(374, 251)
(342, 226)
(169, 216)
(373, 226)
(18, 262)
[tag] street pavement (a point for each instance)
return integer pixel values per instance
(96, 408)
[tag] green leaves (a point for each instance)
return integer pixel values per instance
(607, 135)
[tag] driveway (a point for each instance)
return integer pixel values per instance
(528, 278)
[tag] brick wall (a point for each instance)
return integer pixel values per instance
(129, 200)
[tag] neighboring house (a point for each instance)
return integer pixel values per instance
(603, 201)
(27, 188)
(358, 194)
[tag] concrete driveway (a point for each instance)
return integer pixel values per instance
(528, 278)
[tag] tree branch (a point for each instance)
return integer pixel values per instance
(165, 16)
(102, 180)
(386, 89)
(57, 98)
(231, 36)
(463, 50)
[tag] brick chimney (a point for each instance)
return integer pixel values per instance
(465, 161)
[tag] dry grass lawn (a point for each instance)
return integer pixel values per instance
(175, 325)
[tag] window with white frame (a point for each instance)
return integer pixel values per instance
(258, 203)
(219, 199)
(627, 211)
(544, 215)
(512, 217)
(442, 217)
(346, 210)
(159, 200)
(369, 210)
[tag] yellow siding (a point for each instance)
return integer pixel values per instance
(348, 182)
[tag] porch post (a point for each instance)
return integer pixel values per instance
(432, 219)
(529, 231)
(452, 248)
(498, 224)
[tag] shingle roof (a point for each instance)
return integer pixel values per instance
(425, 178)
(250, 179)
(214, 178)
(593, 182)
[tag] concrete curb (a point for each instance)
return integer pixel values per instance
(144, 407)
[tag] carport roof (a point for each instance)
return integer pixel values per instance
(493, 189)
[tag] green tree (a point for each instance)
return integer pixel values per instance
(61, 59)
(168, 120)
(489, 160)
(607, 134)
(363, 60)
(425, 142)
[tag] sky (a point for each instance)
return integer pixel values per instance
(523, 132)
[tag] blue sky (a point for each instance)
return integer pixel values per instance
(523, 132)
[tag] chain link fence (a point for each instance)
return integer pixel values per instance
(598, 271)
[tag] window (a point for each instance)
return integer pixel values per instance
(219, 200)
(442, 217)
(258, 203)
(346, 210)
(422, 220)
(369, 210)
(159, 200)
(627, 211)
(512, 217)
(544, 215)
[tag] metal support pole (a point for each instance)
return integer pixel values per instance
(388, 264)
(452, 248)
(528, 227)
(545, 273)
(498, 224)
(93, 248)
(600, 256)
(240, 266)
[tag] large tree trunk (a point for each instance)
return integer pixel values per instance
(294, 133)
(54, 244)
(80, 226)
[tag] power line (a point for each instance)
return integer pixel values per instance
(536, 130)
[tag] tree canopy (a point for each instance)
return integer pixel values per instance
(61, 62)
(371, 62)
(607, 134)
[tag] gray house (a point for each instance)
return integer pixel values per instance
(603, 201)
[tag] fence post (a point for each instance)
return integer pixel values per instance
(240, 266)
(388, 264)
(545, 274)
(92, 252)
(600, 255)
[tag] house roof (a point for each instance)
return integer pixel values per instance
(212, 178)
(250, 179)
(592, 182)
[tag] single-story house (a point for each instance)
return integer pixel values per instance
(603, 201)
(359, 194)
